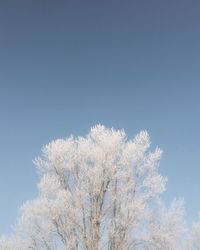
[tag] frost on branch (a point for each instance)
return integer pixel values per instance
(98, 192)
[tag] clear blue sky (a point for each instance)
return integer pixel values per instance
(66, 65)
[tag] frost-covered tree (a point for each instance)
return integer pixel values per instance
(194, 237)
(167, 226)
(98, 192)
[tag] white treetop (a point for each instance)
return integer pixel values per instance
(99, 192)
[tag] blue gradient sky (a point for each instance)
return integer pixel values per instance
(67, 65)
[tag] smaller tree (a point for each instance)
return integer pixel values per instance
(167, 226)
(13, 243)
(194, 237)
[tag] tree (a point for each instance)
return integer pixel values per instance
(166, 227)
(98, 192)
(194, 237)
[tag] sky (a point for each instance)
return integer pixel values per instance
(68, 65)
